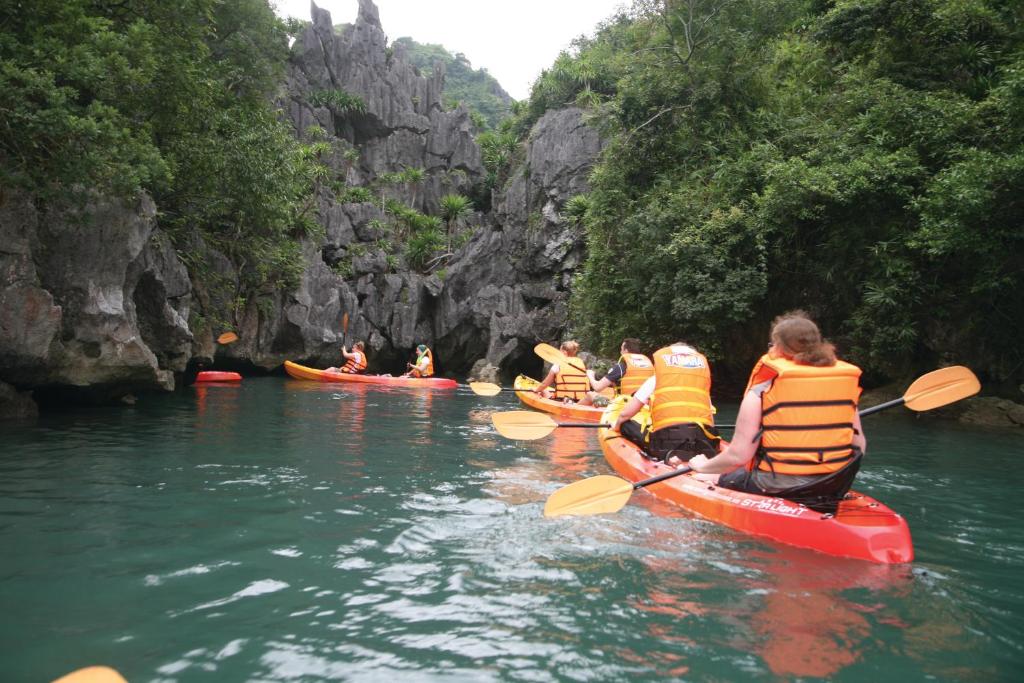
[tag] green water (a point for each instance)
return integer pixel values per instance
(289, 531)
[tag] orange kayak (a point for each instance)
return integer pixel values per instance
(302, 372)
(218, 376)
(862, 528)
(556, 408)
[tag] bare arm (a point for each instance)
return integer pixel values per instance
(547, 381)
(633, 407)
(744, 442)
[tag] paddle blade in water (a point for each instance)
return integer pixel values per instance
(549, 353)
(523, 425)
(941, 387)
(594, 496)
(485, 388)
(92, 674)
(227, 338)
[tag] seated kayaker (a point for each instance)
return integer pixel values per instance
(566, 381)
(628, 374)
(798, 434)
(355, 360)
(424, 365)
(682, 417)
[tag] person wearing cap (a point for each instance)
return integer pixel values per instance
(424, 365)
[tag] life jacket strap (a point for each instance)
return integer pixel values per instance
(800, 428)
(808, 404)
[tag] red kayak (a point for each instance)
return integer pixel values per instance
(302, 372)
(861, 528)
(218, 376)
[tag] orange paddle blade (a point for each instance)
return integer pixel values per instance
(941, 387)
(227, 338)
(344, 324)
(549, 353)
(92, 674)
(594, 496)
(485, 388)
(523, 425)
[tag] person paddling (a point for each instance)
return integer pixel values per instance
(682, 417)
(798, 434)
(628, 374)
(355, 360)
(568, 381)
(424, 365)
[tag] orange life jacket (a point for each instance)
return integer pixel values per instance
(638, 369)
(806, 416)
(355, 365)
(682, 394)
(424, 372)
(571, 379)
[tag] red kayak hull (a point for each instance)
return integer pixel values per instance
(312, 374)
(862, 527)
(218, 376)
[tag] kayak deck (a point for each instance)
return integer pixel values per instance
(862, 528)
(553, 407)
(302, 372)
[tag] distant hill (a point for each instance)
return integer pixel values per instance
(478, 89)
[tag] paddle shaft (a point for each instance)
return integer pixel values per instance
(867, 411)
(661, 477)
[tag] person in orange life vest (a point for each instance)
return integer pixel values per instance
(424, 365)
(355, 362)
(628, 374)
(567, 381)
(798, 434)
(682, 417)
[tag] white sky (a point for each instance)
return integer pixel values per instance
(514, 40)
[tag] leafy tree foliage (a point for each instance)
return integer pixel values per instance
(858, 158)
(170, 98)
(477, 88)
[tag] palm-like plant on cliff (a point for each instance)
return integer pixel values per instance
(454, 210)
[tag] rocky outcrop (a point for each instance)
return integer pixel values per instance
(509, 288)
(497, 295)
(92, 298)
(989, 411)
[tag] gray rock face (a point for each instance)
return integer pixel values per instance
(506, 289)
(92, 297)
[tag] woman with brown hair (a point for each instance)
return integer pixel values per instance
(798, 434)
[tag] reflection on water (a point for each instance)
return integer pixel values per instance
(284, 530)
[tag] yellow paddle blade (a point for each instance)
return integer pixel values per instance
(941, 387)
(549, 353)
(485, 388)
(523, 425)
(227, 338)
(92, 674)
(593, 496)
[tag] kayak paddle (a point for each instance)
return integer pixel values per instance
(92, 674)
(488, 389)
(344, 329)
(550, 353)
(605, 493)
(227, 338)
(526, 425)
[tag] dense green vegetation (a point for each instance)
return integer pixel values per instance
(170, 98)
(861, 159)
(479, 90)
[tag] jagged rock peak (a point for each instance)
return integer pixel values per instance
(368, 13)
